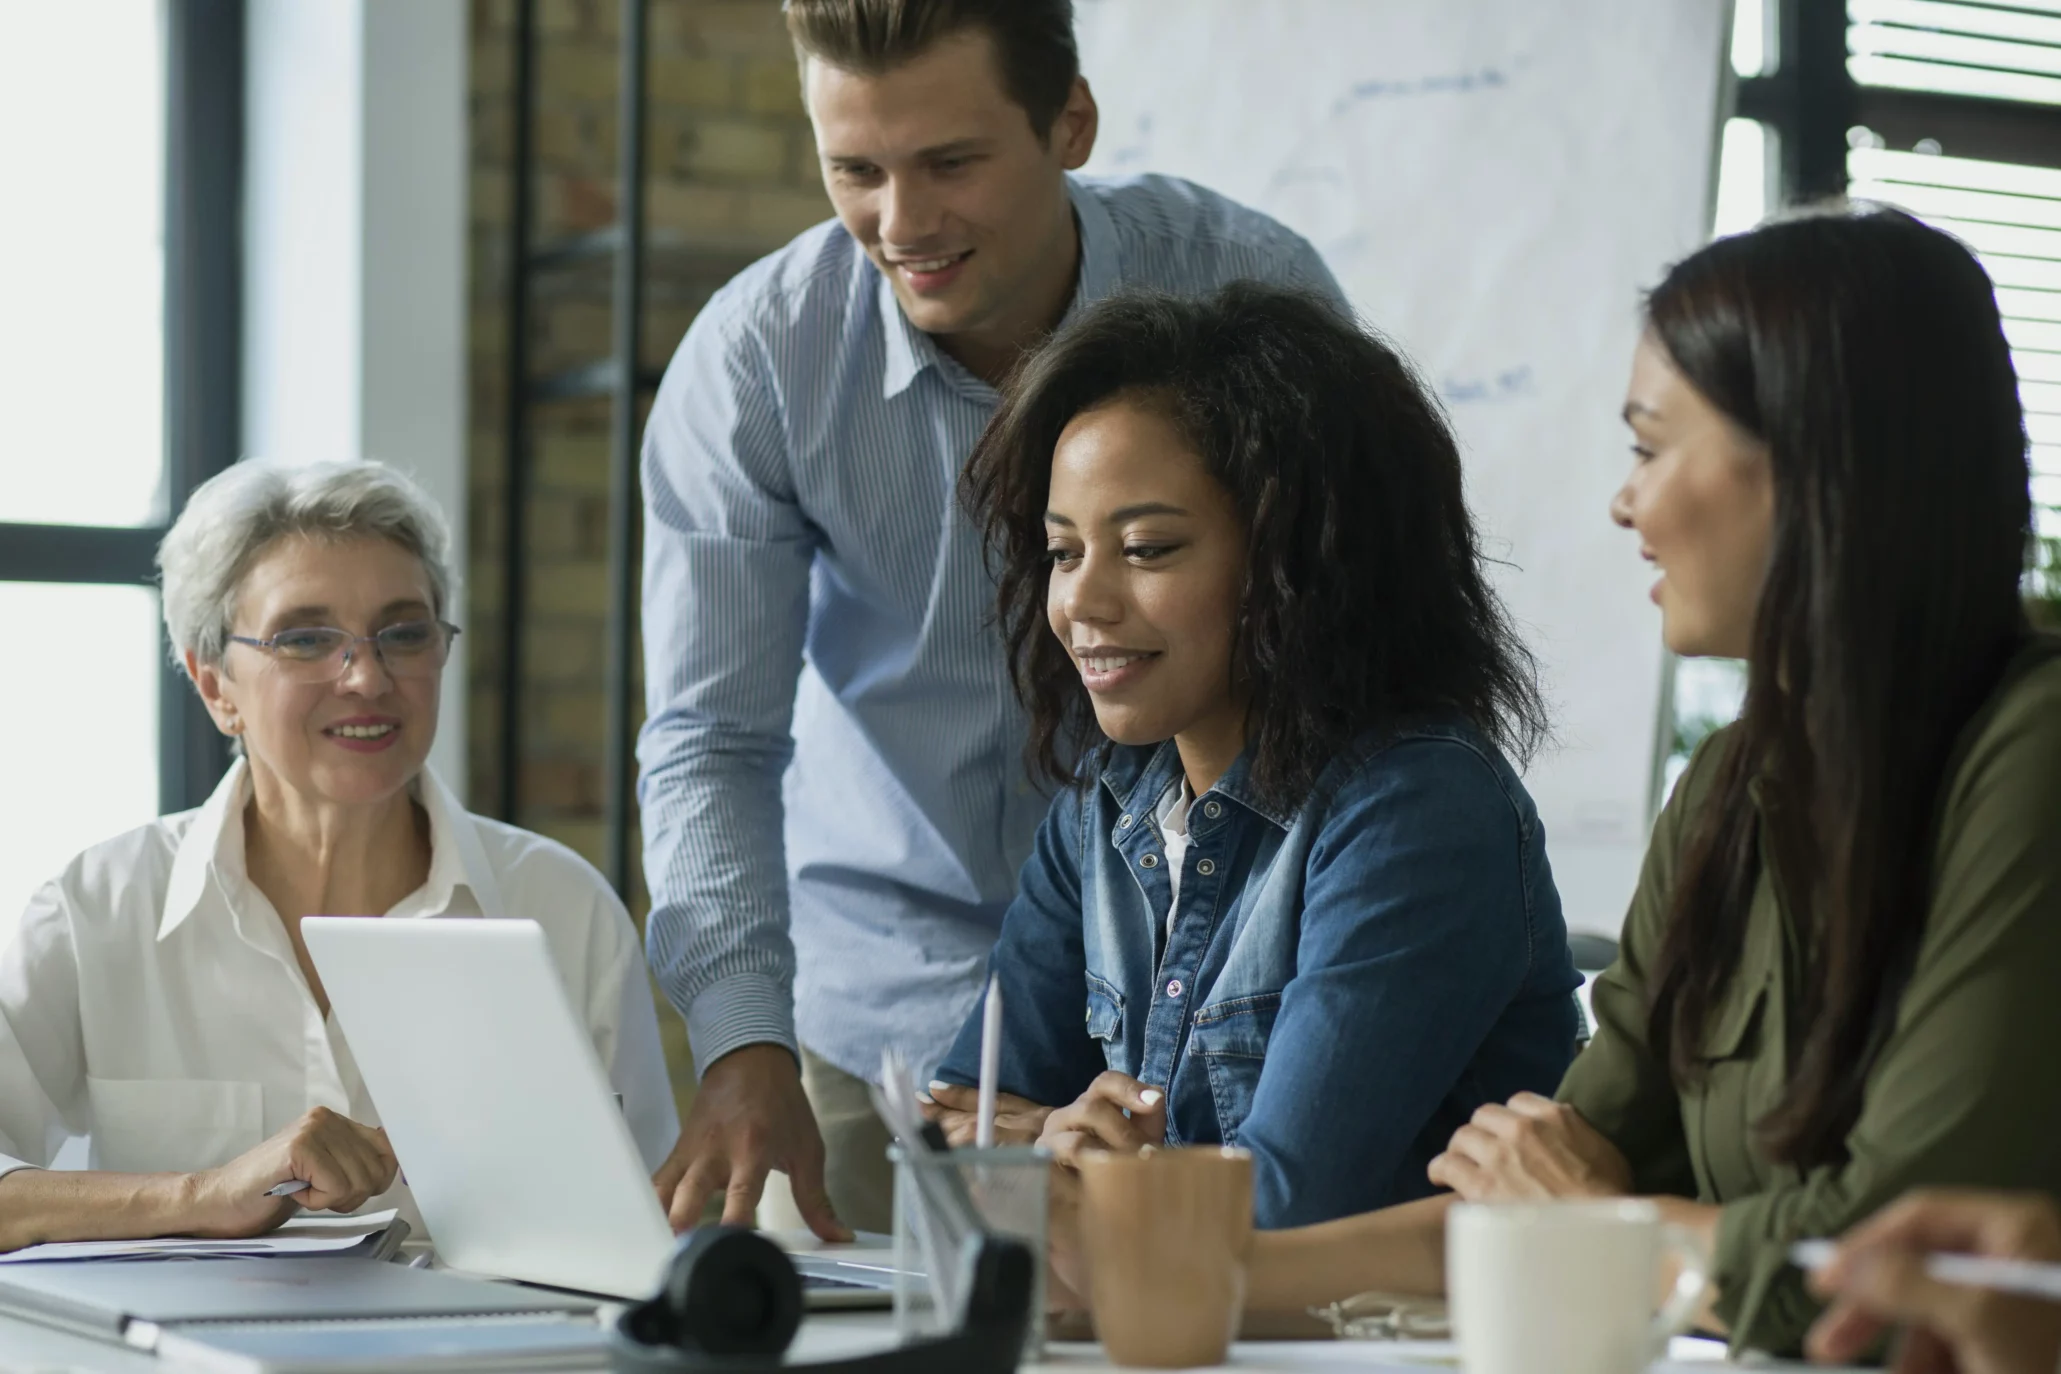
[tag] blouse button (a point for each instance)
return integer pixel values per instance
(1173, 989)
(1212, 810)
(1150, 861)
(1206, 867)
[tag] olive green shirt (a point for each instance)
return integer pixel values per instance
(1967, 1090)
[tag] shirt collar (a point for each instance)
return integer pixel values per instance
(213, 847)
(216, 833)
(1139, 776)
(456, 858)
(910, 351)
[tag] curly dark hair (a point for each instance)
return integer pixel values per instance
(1365, 600)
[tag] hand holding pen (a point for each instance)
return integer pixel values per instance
(338, 1165)
(1975, 1278)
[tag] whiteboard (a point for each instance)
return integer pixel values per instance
(1493, 182)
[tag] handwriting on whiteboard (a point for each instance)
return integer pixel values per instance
(1452, 83)
(1509, 384)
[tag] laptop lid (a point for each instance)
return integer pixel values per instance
(497, 1105)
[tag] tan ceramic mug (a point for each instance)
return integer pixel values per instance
(1164, 1236)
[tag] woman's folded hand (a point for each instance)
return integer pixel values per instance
(1018, 1120)
(1533, 1148)
(1117, 1112)
(343, 1163)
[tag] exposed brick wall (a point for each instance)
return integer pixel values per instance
(730, 175)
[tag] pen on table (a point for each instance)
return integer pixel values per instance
(288, 1188)
(990, 1065)
(2024, 1277)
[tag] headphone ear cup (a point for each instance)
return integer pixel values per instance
(730, 1291)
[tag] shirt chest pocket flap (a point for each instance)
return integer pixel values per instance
(172, 1125)
(1735, 1028)
(1106, 1019)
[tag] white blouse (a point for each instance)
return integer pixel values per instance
(151, 999)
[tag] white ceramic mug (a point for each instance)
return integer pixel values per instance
(1567, 1287)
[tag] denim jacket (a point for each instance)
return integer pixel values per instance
(1344, 984)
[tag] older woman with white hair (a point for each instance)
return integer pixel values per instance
(158, 998)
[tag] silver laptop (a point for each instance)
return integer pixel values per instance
(502, 1116)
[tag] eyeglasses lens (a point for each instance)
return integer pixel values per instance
(415, 648)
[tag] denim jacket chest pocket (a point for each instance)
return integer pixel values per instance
(1230, 1040)
(1106, 1022)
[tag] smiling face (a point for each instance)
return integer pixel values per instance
(1701, 497)
(353, 742)
(1148, 558)
(937, 173)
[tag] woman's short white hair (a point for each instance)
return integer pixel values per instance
(234, 516)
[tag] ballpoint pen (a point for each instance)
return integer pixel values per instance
(2025, 1277)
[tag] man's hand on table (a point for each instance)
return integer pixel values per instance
(749, 1118)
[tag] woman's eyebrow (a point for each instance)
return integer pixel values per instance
(1144, 508)
(1639, 409)
(1123, 513)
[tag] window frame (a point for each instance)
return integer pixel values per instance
(203, 160)
(1809, 100)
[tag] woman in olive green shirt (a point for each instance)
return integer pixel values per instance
(1841, 974)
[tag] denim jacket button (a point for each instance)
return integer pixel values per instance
(1206, 867)
(1212, 809)
(1173, 988)
(1150, 861)
(1123, 822)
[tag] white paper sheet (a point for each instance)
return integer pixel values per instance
(304, 1235)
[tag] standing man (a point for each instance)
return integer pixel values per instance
(834, 801)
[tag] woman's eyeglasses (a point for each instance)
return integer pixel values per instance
(318, 653)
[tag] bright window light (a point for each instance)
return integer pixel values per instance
(1750, 37)
(1742, 189)
(82, 263)
(85, 767)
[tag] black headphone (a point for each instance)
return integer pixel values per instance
(731, 1301)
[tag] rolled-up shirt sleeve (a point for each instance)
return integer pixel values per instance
(42, 1048)
(1967, 1090)
(725, 609)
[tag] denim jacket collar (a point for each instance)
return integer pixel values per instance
(1138, 775)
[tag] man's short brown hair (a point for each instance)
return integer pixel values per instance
(1033, 41)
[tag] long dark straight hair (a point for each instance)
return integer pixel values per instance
(1865, 350)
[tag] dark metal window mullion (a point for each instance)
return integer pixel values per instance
(622, 482)
(204, 128)
(515, 419)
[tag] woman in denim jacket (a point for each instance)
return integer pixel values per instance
(1291, 894)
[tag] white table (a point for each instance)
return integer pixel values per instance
(26, 1348)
